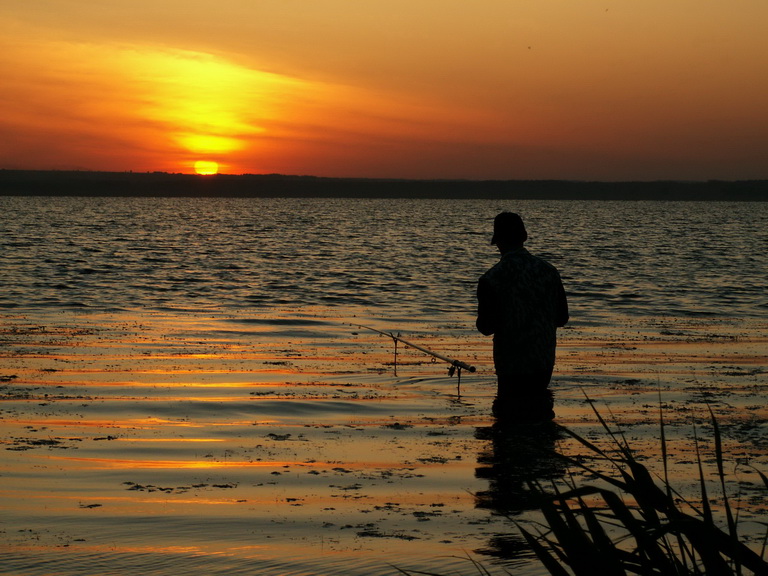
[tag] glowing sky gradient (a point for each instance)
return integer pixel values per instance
(512, 89)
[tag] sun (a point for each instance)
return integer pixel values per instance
(206, 167)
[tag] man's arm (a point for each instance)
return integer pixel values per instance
(562, 307)
(486, 308)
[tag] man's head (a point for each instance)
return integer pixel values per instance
(508, 230)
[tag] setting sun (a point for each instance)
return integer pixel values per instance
(206, 167)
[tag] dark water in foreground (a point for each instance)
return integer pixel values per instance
(181, 389)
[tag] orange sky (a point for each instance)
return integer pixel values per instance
(606, 90)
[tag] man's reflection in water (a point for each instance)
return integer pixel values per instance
(515, 456)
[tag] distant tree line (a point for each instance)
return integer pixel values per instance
(162, 184)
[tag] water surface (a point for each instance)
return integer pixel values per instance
(185, 385)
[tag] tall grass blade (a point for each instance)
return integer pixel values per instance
(482, 570)
(664, 460)
(681, 544)
(732, 526)
(621, 445)
(605, 547)
(647, 544)
(653, 534)
(550, 563)
(705, 506)
(410, 573)
(589, 445)
(763, 476)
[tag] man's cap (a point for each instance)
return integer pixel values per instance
(509, 227)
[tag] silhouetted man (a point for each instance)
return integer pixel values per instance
(521, 301)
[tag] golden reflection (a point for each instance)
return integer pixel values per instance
(117, 463)
(106, 424)
(148, 423)
(113, 463)
(158, 440)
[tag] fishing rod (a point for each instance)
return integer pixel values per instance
(456, 365)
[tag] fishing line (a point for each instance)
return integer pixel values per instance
(456, 366)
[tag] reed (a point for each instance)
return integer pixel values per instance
(592, 530)
(634, 526)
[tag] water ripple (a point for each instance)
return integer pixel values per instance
(636, 258)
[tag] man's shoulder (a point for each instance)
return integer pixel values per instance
(537, 261)
(524, 258)
(520, 262)
(544, 263)
(492, 271)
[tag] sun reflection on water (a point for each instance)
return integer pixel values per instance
(307, 436)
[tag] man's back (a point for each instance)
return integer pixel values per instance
(522, 302)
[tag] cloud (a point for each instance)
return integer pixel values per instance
(160, 100)
(267, 85)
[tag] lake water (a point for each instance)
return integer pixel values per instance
(185, 385)
(403, 257)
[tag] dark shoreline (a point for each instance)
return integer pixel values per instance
(162, 184)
